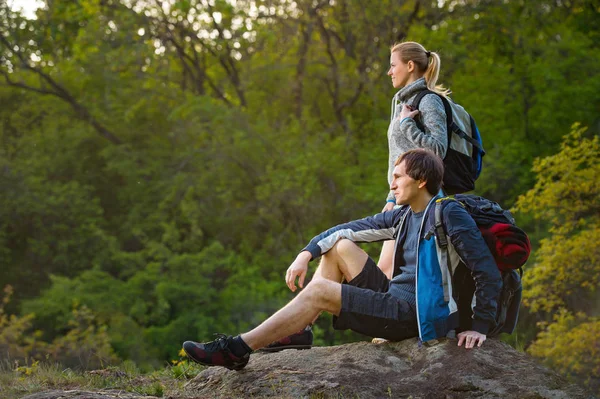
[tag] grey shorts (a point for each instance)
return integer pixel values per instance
(368, 308)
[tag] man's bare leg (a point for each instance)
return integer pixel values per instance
(319, 295)
(323, 293)
(344, 260)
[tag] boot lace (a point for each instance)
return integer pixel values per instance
(221, 343)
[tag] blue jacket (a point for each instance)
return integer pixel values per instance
(436, 306)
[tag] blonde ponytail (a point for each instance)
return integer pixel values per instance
(433, 72)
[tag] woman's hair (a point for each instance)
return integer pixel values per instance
(425, 165)
(427, 62)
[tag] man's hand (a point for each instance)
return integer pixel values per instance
(298, 268)
(470, 338)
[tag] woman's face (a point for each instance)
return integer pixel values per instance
(399, 71)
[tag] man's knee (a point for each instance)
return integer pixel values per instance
(319, 292)
(347, 248)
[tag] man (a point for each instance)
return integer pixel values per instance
(417, 301)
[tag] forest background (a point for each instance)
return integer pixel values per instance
(162, 162)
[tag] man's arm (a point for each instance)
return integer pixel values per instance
(474, 252)
(373, 228)
(379, 227)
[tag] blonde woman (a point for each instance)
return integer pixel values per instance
(412, 69)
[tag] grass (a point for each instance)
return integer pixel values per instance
(17, 381)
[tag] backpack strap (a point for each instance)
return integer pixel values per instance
(438, 227)
(440, 235)
(420, 96)
(447, 109)
(458, 131)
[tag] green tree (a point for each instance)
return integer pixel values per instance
(562, 286)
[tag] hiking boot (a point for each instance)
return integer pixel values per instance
(215, 353)
(301, 340)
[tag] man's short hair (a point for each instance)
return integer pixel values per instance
(422, 164)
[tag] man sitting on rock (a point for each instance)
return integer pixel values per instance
(417, 301)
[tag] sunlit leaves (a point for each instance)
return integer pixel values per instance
(570, 345)
(567, 191)
(565, 278)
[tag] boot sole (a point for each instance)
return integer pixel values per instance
(234, 368)
(279, 349)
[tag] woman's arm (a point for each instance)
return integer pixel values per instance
(408, 136)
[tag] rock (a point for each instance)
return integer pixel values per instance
(76, 394)
(391, 370)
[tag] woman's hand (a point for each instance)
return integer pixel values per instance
(388, 206)
(408, 112)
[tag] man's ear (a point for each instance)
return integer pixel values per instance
(422, 183)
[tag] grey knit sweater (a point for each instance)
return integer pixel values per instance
(407, 136)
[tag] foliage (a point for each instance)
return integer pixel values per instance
(14, 343)
(570, 345)
(84, 344)
(566, 195)
(565, 279)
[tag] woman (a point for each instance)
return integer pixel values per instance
(413, 69)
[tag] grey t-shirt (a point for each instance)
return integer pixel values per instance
(405, 266)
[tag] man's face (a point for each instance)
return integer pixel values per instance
(405, 188)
